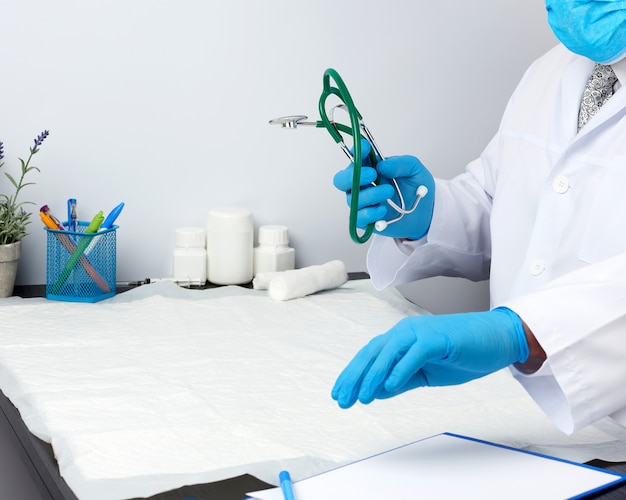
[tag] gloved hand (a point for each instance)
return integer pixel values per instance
(409, 174)
(432, 351)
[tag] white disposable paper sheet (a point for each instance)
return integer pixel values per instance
(161, 387)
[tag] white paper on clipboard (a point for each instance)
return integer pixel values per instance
(452, 466)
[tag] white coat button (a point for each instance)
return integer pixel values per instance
(560, 184)
(537, 267)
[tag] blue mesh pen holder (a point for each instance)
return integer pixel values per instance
(81, 267)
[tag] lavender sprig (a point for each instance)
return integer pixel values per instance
(13, 217)
(38, 141)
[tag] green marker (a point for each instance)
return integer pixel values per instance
(92, 228)
(95, 223)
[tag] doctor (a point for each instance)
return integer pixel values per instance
(541, 213)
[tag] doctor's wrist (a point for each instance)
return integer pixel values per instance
(536, 356)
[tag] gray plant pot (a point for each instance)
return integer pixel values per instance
(9, 258)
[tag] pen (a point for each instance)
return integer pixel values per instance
(107, 224)
(46, 210)
(77, 254)
(72, 216)
(47, 220)
(110, 219)
(95, 224)
(286, 485)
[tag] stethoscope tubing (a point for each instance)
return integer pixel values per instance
(341, 91)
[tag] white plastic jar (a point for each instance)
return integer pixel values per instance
(273, 252)
(190, 256)
(229, 242)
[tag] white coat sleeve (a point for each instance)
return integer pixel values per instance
(458, 242)
(580, 321)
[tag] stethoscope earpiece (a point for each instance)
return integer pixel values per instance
(380, 225)
(421, 192)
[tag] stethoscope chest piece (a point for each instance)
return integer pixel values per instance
(292, 121)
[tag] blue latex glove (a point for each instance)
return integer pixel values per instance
(409, 174)
(432, 351)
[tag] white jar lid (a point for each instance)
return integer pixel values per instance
(190, 237)
(273, 235)
(229, 220)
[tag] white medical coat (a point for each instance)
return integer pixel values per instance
(542, 213)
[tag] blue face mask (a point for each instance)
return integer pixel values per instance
(595, 29)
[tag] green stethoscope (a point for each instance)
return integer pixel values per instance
(357, 130)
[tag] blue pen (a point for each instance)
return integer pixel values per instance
(286, 486)
(110, 219)
(72, 217)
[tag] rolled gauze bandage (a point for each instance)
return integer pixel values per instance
(296, 283)
(262, 280)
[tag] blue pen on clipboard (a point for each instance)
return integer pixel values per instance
(286, 485)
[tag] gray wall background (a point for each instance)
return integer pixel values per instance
(164, 105)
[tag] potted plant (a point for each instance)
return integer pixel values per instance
(13, 218)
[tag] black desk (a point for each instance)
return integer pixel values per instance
(39, 458)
